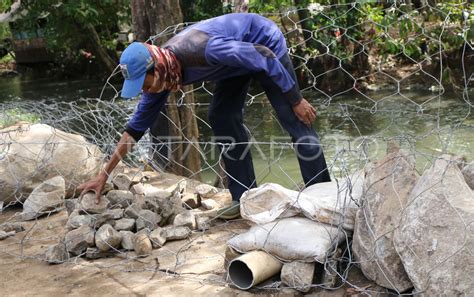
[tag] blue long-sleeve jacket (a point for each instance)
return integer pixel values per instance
(219, 48)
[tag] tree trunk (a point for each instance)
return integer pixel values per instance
(101, 53)
(237, 5)
(240, 5)
(151, 17)
(141, 27)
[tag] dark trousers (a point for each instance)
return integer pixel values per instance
(226, 119)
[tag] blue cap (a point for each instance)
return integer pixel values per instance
(134, 63)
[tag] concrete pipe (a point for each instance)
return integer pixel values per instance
(252, 268)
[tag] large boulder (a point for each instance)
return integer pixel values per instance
(388, 182)
(435, 239)
(45, 198)
(468, 172)
(32, 154)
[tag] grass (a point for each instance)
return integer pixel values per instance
(15, 115)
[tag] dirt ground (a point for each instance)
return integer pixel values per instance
(190, 267)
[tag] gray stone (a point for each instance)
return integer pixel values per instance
(124, 181)
(107, 188)
(185, 219)
(176, 232)
(89, 205)
(209, 204)
(116, 213)
(147, 219)
(138, 189)
(158, 237)
(103, 218)
(152, 204)
(191, 200)
(468, 172)
(78, 240)
(107, 238)
(144, 231)
(120, 198)
(15, 226)
(435, 238)
(170, 207)
(206, 191)
(202, 223)
(4, 235)
(142, 245)
(156, 193)
(76, 220)
(133, 211)
(95, 253)
(298, 275)
(178, 188)
(124, 224)
(70, 205)
(387, 185)
(45, 198)
(57, 254)
(127, 240)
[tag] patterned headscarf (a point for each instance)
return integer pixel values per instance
(167, 70)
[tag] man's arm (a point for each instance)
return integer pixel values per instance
(150, 105)
(147, 110)
(97, 184)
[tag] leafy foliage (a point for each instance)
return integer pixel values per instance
(197, 10)
(4, 29)
(66, 24)
(390, 30)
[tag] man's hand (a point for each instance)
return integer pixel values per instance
(305, 112)
(96, 185)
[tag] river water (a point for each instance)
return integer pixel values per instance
(353, 127)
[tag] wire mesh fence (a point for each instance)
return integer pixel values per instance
(377, 75)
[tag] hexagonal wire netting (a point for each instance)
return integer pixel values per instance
(376, 74)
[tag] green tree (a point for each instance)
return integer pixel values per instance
(73, 27)
(194, 11)
(4, 29)
(151, 17)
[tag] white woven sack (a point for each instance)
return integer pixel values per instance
(290, 239)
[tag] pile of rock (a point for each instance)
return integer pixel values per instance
(131, 215)
(416, 231)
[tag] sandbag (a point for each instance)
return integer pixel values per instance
(290, 239)
(333, 203)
